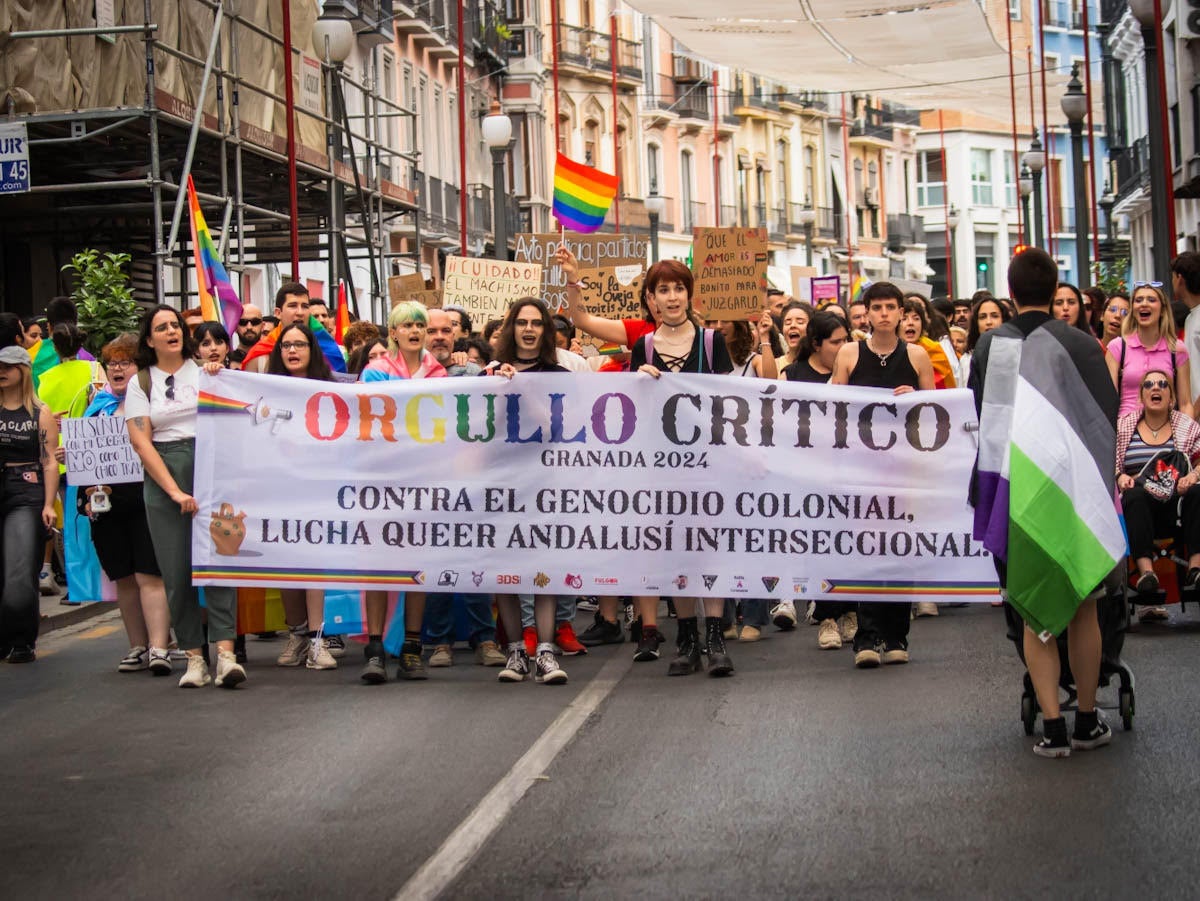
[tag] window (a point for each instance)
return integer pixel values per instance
(591, 143)
(981, 177)
(1010, 181)
(1014, 10)
(1051, 63)
(691, 217)
(810, 175)
(781, 171)
(858, 182)
(931, 180)
(653, 178)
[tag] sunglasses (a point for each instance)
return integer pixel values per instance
(170, 387)
(257, 320)
(1147, 284)
(1161, 384)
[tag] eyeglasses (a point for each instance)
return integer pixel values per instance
(295, 345)
(1147, 284)
(1155, 383)
(257, 320)
(170, 387)
(1119, 310)
(119, 364)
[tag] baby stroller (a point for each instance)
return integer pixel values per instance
(1113, 612)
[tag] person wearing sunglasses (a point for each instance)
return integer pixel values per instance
(1157, 448)
(160, 412)
(1148, 342)
(249, 331)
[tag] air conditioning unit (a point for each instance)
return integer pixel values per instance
(1187, 20)
(871, 196)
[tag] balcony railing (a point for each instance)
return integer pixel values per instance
(729, 216)
(873, 124)
(1063, 14)
(905, 230)
(689, 70)
(693, 102)
(901, 115)
(806, 99)
(592, 50)
(1133, 166)
(694, 213)
(829, 226)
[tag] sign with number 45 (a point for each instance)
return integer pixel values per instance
(14, 158)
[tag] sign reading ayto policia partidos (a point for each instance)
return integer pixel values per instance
(14, 158)
(592, 251)
(485, 288)
(612, 292)
(731, 272)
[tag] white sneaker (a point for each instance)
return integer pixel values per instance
(319, 656)
(197, 673)
(547, 671)
(160, 662)
(848, 625)
(229, 672)
(809, 612)
(925, 608)
(783, 615)
(136, 660)
(46, 583)
(295, 651)
(828, 636)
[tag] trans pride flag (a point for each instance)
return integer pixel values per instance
(582, 195)
(1044, 500)
(210, 274)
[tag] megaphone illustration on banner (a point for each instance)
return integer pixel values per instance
(261, 414)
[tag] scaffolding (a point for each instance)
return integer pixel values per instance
(195, 87)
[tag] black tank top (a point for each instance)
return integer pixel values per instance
(18, 436)
(894, 370)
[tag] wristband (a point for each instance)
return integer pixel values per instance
(575, 284)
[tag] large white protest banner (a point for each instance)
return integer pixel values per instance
(687, 485)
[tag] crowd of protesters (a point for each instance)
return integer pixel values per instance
(151, 380)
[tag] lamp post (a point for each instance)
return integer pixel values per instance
(1160, 198)
(1025, 188)
(1074, 107)
(655, 206)
(497, 132)
(1107, 202)
(333, 39)
(806, 218)
(952, 218)
(1035, 159)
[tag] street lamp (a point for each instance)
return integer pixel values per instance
(497, 132)
(1107, 202)
(952, 218)
(1074, 107)
(806, 218)
(333, 39)
(1160, 199)
(1035, 159)
(655, 206)
(1025, 188)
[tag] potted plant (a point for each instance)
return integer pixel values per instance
(103, 299)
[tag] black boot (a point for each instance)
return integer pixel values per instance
(687, 649)
(719, 663)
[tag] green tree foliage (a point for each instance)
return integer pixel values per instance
(103, 297)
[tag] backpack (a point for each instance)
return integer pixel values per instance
(706, 350)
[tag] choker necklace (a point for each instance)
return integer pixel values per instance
(883, 358)
(677, 325)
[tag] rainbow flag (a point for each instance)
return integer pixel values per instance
(582, 195)
(860, 284)
(343, 315)
(210, 274)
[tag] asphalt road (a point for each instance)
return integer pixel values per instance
(800, 776)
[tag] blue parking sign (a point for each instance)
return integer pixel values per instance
(14, 158)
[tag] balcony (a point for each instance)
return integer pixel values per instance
(905, 230)
(479, 214)
(901, 115)
(1063, 14)
(492, 36)
(695, 214)
(694, 102)
(634, 217)
(591, 50)
(1133, 167)
(372, 19)
(872, 126)
(431, 24)
(762, 95)
(829, 226)
(807, 100)
(690, 71)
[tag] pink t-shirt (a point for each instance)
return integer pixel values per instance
(1139, 361)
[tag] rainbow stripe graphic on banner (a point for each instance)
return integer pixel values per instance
(276, 576)
(881, 588)
(213, 403)
(210, 274)
(582, 195)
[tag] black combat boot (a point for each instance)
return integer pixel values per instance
(687, 649)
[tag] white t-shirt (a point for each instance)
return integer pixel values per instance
(573, 362)
(170, 420)
(1191, 343)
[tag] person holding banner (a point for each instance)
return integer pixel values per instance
(122, 535)
(407, 358)
(883, 360)
(29, 484)
(212, 344)
(160, 410)
(677, 345)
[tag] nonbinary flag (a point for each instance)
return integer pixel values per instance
(582, 195)
(1045, 496)
(211, 278)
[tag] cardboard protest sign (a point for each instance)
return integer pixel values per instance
(431, 298)
(99, 452)
(485, 288)
(400, 286)
(592, 251)
(612, 292)
(801, 284)
(731, 272)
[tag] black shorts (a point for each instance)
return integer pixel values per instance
(123, 544)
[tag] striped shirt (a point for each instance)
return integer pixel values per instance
(1139, 453)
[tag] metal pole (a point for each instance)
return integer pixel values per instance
(849, 198)
(716, 154)
(160, 249)
(554, 38)
(1048, 234)
(1032, 124)
(1165, 165)
(290, 110)
(1160, 198)
(235, 124)
(1012, 95)
(499, 224)
(653, 237)
(808, 236)
(1094, 221)
(1038, 226)
(1081, 207)
(946, 209)
(612, 58)
(333, 149)
(462, 135)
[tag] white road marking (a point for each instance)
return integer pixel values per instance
(458, 850)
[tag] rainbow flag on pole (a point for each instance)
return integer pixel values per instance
(582, 195)
(210, 274)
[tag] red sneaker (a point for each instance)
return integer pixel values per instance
(531, 642)
(564, 637)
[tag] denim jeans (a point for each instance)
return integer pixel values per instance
(24, 537)
(755, 611)
(439, 617)
(564, 609)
